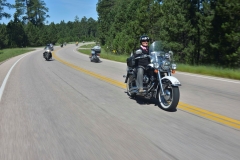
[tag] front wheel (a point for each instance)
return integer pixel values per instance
(47, 56)
(170, 100)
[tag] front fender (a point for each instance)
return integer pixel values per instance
(174, 81)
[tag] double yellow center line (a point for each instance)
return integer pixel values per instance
(186, 107)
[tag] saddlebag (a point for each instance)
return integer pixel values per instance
(131, 61)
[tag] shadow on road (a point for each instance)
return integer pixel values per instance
(143, 101)
(50, 60)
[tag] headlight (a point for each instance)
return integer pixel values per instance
(156, 65)
(174, 66)
(165, 65)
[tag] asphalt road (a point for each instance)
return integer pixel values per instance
(48, 110)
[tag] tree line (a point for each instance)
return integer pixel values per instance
(198, 31)
(29, 26)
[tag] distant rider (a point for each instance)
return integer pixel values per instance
(96, 49)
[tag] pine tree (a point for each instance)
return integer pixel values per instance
(3, 36)
(36, 12)
(32, 33)
(177, 31)
(226, 33)
(17, 36)
(105, 9)
(3, 3)
(20, 10)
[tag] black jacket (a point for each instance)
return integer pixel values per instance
(142, 61)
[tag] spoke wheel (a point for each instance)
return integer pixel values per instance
(170, 100)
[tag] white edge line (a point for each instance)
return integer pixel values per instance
(209, 77)
(6, 78)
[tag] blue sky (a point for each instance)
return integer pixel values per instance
(65, 10)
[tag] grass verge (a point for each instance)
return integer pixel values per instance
(211, 71)
(9, 53)
(88, 46)
(203, 70)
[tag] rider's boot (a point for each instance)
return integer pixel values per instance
(141, 90)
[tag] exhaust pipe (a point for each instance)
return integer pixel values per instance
(133, 90)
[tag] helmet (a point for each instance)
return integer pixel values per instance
(144, 38)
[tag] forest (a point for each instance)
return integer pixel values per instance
(29, 27)
(199, 32)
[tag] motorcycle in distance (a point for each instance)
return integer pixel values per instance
(95, 52)
(158, 81)
(47, 53)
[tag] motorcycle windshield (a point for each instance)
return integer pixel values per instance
(156, 47)
(47, 48)
(156, 50)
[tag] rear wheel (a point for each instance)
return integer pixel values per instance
(130, 84)
(170, 100)
(97, 60)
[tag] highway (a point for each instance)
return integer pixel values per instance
(70, 108)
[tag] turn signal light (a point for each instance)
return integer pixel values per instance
(155, 71)
(173, 71)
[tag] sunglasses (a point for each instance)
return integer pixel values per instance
(145, 41)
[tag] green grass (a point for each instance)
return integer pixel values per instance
(9, 53)
(88, 46)
(203, 70)
(211, 71)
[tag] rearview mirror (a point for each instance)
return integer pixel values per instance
(170, 52)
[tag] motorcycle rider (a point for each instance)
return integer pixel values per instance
(96, 48)
(142, 62)
(47, 46)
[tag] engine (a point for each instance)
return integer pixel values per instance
(145, 79)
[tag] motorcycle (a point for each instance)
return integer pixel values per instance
(158, 81)
(95, 51)
(47, 53)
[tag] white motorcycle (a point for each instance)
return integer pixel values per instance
(47, 53)
(95, 51)
(158, 81)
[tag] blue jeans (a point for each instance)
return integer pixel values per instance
(139, 81)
